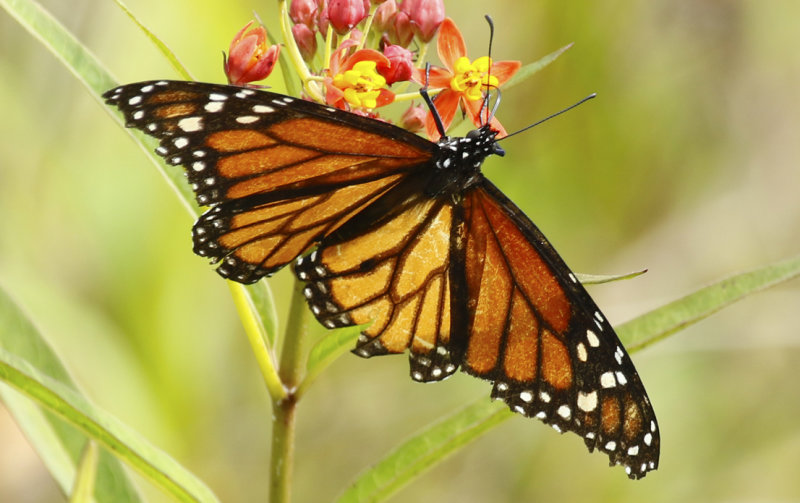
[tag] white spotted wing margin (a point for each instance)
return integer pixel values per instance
(557, 358)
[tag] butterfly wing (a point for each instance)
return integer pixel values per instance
(535, 332)
(279, 172)
(391, 268)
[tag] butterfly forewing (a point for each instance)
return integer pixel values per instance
(280, 172)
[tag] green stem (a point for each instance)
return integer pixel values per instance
(259, 341)
(294, 53)
(283, 415)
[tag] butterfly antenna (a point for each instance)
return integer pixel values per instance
(425, 96)
(489, 73)
(550, 116)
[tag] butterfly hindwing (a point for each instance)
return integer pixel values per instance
(279, 172)
(391, 268)
(537, 334)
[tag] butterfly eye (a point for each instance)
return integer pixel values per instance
(474, 134)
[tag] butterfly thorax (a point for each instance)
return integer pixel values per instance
(459, 160)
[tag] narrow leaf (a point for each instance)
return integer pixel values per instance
(83, 489)
(327, 350)
(528, 70)
(129, 446)
(596, 279)
(166, 51)
(683, 312)
(424, 450)
(58, 444)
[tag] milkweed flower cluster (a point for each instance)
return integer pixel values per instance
(361, 55)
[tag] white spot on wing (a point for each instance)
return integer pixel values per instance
(582, 355)
(607, 380)
(191, 124)
(587, 402)
(214, 106)
(592, 338)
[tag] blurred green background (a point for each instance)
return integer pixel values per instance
(687, 164)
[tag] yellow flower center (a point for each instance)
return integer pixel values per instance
(471, 78)
(361, 84)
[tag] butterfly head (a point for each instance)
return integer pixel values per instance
(468, 153)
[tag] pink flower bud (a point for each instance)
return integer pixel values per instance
(425, 15)
(304, 11)
(401, 61)
(322, 19)
(250, 57)
(384, 16)
(402, 32)
(413, 118)
(344, 15)
(306, 40)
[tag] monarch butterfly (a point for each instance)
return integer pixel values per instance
(404, 233)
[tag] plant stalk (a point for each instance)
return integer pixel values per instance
(283, 410)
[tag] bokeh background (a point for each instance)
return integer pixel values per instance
(687, 164)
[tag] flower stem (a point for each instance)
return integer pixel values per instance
(283, 410)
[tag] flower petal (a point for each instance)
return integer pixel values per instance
(504, 70)
(382, 63)
(450, 44)
(446, 103)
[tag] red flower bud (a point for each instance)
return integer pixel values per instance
(306, 40)
(425, 15)
(402, 64)
(250, 57)
(344, 15)
(304, 11)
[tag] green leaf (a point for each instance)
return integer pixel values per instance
(327, 350)
(425, 449)
(528, 70)
(596, 279)
(263, 303)
(166, 51)
(92, 74)
(83, 489)
(57, 443)
(65, 402)
(666, 320)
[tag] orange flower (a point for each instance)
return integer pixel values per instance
(250, 57)
(464, 82)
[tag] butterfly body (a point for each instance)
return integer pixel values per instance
(404, 235)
